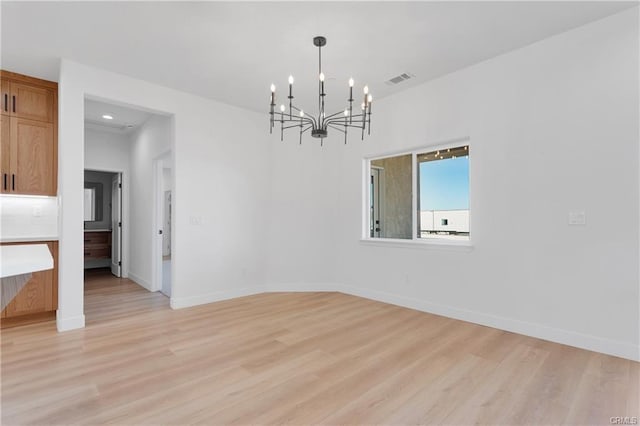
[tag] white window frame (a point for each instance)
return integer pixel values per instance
(414, 242)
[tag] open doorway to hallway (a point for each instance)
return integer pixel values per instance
(128, 140)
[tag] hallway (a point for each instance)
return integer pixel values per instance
(108, 298)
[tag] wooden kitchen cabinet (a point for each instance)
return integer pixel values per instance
(29, 146)
(38, 296)
(5, 148)
(28, 97)
(31, 157)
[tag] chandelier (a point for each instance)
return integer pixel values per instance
(319, 126)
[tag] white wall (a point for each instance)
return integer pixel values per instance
(167, 179)
(107, 151)
(303, 210)
(220, 171)
(24, 218)
(250, 210)
(147, 143)
(553, 128)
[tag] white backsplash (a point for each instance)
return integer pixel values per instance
(24, 217)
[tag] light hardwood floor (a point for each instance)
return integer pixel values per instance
(298, 358)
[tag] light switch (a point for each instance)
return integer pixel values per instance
(195, 220)
(577, 217)
(37, 211)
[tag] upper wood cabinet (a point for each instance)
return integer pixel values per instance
(28, 97)
(32, 102)
(5, 148)
(28, 144)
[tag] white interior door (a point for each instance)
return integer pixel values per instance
(116, 225)
(166, 227)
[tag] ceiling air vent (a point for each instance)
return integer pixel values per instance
(399, 79)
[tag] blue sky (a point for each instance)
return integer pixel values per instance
(444, 184)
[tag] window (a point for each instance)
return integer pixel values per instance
(433, 183)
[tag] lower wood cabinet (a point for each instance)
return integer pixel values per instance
(39, 295)
(97, 245)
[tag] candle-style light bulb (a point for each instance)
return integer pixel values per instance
(370, 98)
(346, 112)
(281, 108)
(290, 79)
(351, 82)
(321, 76)
(273, 88)
(362, 106)
(366, 89)
(301, 113)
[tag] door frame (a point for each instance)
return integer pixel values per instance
(376, 201)
(118, 178)
(158, 222)
(124, 207)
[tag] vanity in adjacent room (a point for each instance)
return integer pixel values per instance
(97, 248)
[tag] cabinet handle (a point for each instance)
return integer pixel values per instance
(14, 103)
(4, 181)
(6, 102)
(13, 182)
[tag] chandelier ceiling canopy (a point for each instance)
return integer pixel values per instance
(295, 118)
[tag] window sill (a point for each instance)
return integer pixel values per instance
(428, 244)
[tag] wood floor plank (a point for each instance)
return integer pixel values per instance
(296, 358)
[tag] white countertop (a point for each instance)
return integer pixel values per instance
(23, 259)
(10, 239)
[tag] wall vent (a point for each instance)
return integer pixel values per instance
(399, 79)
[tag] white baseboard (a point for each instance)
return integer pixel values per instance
(540, 331)
(299, 287)
(71, 323)
(185, 302)
(139, 280)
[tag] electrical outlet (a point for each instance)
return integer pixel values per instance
(37, 211)
(577, 217)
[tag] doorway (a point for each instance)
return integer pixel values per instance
(103, 220)
(116, 225)
(163, 230)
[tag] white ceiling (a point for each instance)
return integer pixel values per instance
(232, 52)
(125, 120)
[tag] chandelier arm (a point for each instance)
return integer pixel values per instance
(304, 119)
(341, 120)
(337, 123)
(292, 126)
(331, 118)
(333, 115)
(308, 118)
(333, 126)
